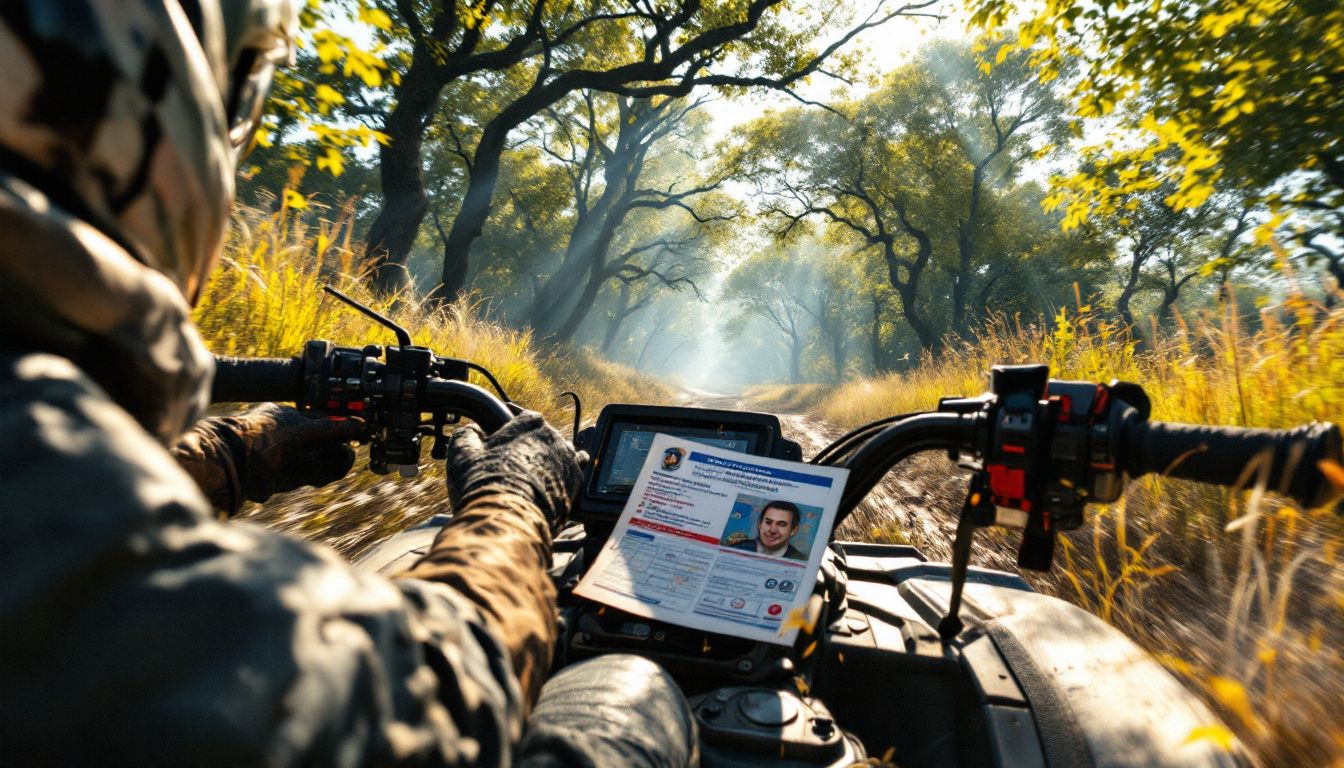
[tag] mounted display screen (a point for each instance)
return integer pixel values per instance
(628, 446)
(619, 444)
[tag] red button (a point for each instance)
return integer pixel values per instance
(1006, 481)
(774, 609)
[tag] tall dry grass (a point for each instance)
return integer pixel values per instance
(266, 299)
(1240, 593)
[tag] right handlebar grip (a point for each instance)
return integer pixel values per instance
(1220, 455)
(257, 380)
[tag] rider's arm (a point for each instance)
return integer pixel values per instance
(134, 628)
(269, 449)
(510, 490)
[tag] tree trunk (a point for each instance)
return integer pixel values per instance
(796, 359)
(596, 277)
(1131, 285)
(394, 229)
(966, 232)
(1335, 265)
(1164, 310)
(908, 289)
(838, 354)
(648, 341)
(470, 220)
(471, 217)
(622, 311)
(875, 335)
(961, 280)
(557, 291)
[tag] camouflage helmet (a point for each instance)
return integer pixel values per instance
(131, 114)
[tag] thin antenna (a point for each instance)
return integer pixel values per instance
(578, 413)
(403, 336)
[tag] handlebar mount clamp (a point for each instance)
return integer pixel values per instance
(1045, 449)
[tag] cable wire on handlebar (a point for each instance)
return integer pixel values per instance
(490, 378)
(844, 445)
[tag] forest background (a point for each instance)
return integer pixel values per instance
(870, 203)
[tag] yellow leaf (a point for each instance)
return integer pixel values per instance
(328, 50)
(1175, 664)
(376, 17)
(331, 162)
(803, 618)
(1232, 695)
(328, 95)
(1267, 655)
(1333, 472)
(1217, 734)
(294, 200)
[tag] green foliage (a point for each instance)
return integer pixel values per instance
(919, 181)
(331, 78)
(1242, 89)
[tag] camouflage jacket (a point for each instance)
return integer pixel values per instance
(135, 628)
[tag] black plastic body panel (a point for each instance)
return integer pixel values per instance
(1032, 681)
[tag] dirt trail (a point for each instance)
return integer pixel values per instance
(916, 503)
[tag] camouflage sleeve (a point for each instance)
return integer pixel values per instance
(136, 629)
(495, 552)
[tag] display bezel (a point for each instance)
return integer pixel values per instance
(596, 504)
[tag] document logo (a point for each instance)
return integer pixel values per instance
(672, 458)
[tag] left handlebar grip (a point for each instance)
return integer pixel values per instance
(257, 380)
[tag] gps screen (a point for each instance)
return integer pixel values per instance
(631, 446)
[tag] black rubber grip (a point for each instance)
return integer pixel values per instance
(257, 380)
(1220, 455)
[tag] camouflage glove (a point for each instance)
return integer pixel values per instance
(267, 450)
(526, 457)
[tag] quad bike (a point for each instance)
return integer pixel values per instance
(930, 664)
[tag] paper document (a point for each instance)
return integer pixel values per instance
(718, 540)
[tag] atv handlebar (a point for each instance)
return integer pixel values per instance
(1040, 450)
(281, 379)
(1289, 458)
(257, 380)
(390, 389)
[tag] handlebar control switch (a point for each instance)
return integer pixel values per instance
(1045, 449)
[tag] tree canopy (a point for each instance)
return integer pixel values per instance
(1245, 91)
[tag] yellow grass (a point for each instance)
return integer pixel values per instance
(1243, 597)
(783, 398)
(266, 299)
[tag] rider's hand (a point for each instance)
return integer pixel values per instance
(527, 457)
(267, 450)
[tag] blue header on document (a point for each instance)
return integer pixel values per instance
(756, 469)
